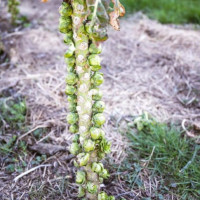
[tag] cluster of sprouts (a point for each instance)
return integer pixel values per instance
(83, 23)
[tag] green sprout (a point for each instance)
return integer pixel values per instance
(80, 177)
(74, 148)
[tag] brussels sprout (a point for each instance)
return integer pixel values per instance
(102, 196)
(65, 24)
(80, 177)
(97, 94)
(99, 119)
(99, 34)
(97, 167)
(73, 128)
(97, 79)
(70, 68)
(95, 67)
(91, 188)
(88, 27)
(105, 146)
(71, 78)
(104, 173)
(76, 138)
(94, 59)
(70, 61)
(81, 30)
(72, 107)
(75, 164)
(94, 49)
(83, 159)
(68, 37)
(72, 118)
(89, 145)
(70, 51)
(65, 19)
(65, 10)
(101, 155)
(98, 107)
(72, 98)
(95, 133)
(81, 192)
(74, 148)
(70, 90)
(100, 179)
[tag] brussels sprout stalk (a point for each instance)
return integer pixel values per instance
(84, 24)
(84, 98)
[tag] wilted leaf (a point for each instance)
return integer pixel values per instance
(119, 11)
(103, 14)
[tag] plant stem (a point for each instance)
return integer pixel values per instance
(84, 98)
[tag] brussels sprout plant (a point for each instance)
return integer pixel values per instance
(84, 25)
(13, 10)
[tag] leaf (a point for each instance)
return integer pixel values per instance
(99, 10)
(119, 11)
(98, 14)
(103, 14)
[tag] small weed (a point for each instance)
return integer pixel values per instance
(13, 10)
(38, 133)
(22, 147)
(164, 151)
(12, 112)
(7, 148)
(16, 18)
(38, 160)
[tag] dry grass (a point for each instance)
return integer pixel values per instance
(148, 67)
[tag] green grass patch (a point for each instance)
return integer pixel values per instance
(167, 11)
(12, 112)
(40, 190)
(165, 152)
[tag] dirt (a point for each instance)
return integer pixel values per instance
(147, 67)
